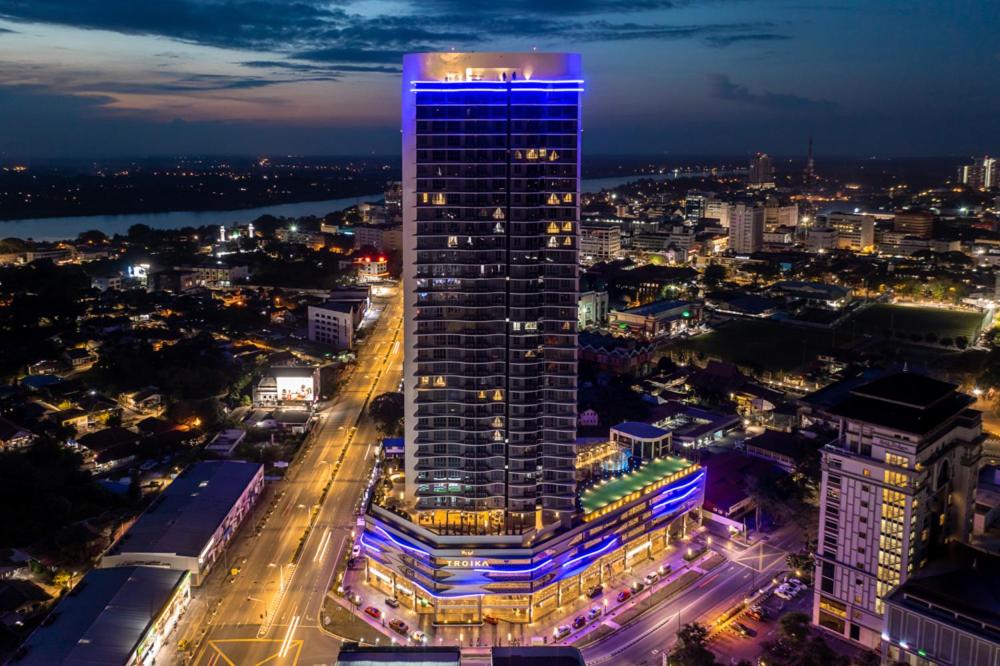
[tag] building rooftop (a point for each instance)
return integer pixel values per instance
(962, 588)
(640, 430)
(102, 620)
(907, 388)
(657, 307)
(904, 401)
(183, 519)
(355, 655)
(610, 491)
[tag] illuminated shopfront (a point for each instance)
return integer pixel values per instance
(524, 577)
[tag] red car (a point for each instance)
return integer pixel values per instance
(624, 595)
(374, 612)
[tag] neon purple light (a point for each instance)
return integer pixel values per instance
(514, 81)
(672, 489)
(514, 571)
(592, 553)
(675, 500)
(401, 544)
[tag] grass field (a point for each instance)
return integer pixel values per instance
(762, 344)
(881, 319)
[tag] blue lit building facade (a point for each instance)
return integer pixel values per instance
(462, 578)
(487, 519)
(491, 173)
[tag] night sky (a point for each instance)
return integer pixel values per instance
(95, 78)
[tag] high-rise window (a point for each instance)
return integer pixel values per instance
(491, 170)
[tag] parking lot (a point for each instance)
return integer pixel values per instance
(730, 647)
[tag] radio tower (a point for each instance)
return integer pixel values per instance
(809, 173)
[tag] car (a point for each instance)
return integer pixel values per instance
(399, 626)
(356, 551)
(579, 622)
(374, 612)
(489, 619)
(665, 569)
(418, 637)
(392, 602)
(651, 578)
(562, 632)
(595, 591)
(594, 613)
(754, 614)
(624, 595)
(638, 586)
(739, 629)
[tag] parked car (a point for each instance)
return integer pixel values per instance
(665, 569)
(562, 632)
(624, 595)
(374, 612)
(595, 591)
(594, 613)
(418, 637)
(638, 586)
(392, 602)
(356, 551)
(740, 629)
(399, 626)
(651, 578)
(579, 622)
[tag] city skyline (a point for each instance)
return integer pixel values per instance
(316, 77)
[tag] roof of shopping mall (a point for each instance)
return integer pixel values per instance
(613, 490)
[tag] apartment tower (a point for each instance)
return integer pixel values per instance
(491, 185)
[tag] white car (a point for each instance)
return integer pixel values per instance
(651, 578)
(562, 632)
(418, 637)
(356, 551)
(594, 613)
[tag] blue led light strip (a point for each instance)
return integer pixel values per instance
(514, 571)
(513, 82)
(450, 90)
(591, 553)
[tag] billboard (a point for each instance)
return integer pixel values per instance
(297, 388)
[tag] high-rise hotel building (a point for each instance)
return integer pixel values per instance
(491, 184)
(486, 521)
(898, 483)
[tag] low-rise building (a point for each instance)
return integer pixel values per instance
(643, 440)
(658, 319)
(946, 615)
(13, 436)
(225, 443)
(217, 274)
(333, 323)
(113, 617)
(592, 309)
(189, 525)
(600, 242)
(386, 237)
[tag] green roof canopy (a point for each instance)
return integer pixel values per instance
(613, 490)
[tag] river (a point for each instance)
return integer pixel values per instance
(59, 228)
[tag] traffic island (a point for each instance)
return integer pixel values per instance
(346, 626)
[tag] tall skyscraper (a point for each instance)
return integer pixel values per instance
(899, 481)
(761, 174)
(491, 184)
(809, 174)
(981, 175)
(746, 228)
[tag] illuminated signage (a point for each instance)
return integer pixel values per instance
(466, 564)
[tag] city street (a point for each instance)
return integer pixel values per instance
(270, 610)
(644, 640)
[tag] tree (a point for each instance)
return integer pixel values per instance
(690, 649)
(794, 626)
(714, 275)
(387, 412)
